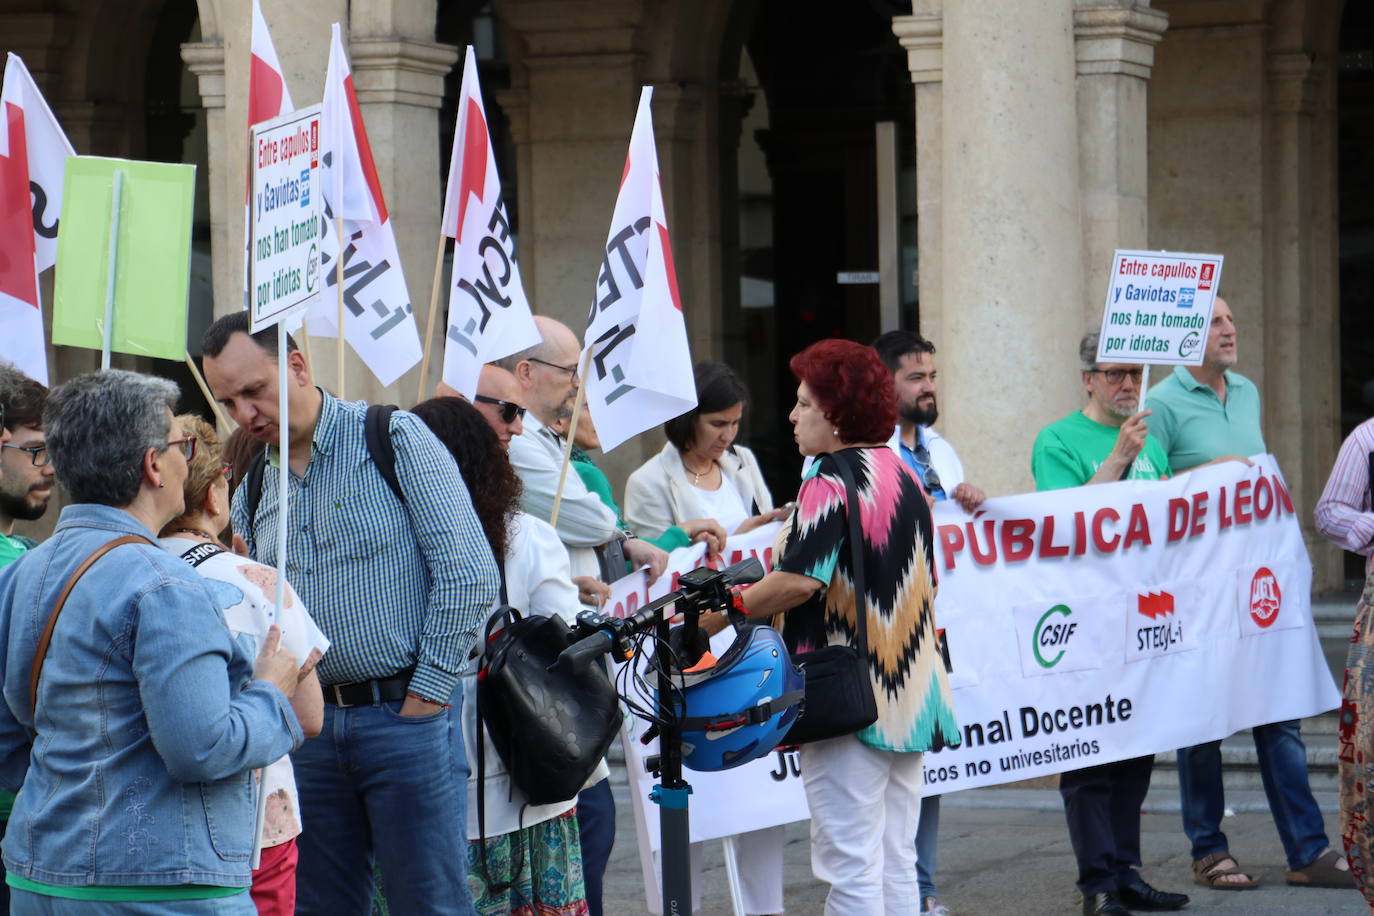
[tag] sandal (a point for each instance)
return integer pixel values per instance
(1209, 872)
(1322, 873)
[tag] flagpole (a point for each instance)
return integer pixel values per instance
(107, 338)
(572, 432)
(338, 282)
(205, 390)
(433, 308)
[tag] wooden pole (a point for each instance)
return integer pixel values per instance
(205, 390)
(572, 433)
(305, 342)
(433, 309)
(339, 284)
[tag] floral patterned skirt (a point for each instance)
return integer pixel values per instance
(1356, 746)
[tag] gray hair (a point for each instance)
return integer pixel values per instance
(98, 428)
(1087, 350)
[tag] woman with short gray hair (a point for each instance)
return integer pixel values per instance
(132, 742)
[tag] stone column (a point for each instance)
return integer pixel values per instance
(1300, 309)
(1114, 46)
(1011, 253)
(922, 34)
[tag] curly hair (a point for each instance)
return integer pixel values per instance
(491, 481)
(852, 386)
(202, 471)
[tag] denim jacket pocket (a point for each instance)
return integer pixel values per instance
(230, 816)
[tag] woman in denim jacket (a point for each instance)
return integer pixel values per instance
(134, 768)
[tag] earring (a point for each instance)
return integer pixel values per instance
(834, 432)
(160, 485)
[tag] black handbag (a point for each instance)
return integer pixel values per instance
(839, 690)
(550, 727)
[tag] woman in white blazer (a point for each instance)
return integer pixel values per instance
(701, 473)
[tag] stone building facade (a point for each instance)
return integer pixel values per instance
(1017, 143)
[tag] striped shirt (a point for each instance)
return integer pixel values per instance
(394, 586)
(1344, 515)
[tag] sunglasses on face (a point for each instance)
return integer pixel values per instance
(1117, 376)
(509, 411)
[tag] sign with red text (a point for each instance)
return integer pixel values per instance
(1084, 623)
(285, 218)
(1159, 307)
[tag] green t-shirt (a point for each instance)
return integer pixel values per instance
(12, 547)
(1069, 452)
(124, 893)
(1194, 427)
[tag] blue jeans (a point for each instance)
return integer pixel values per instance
(378, 784)
(596, 826)
(1283, 768)
(927, 839)
(26, 903)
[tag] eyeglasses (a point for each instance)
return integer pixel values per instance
(510, 412)
(188, 446)
(38, 454)
(571, 370)
(1117, 376)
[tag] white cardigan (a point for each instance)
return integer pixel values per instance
(658, 495)
(537, 583)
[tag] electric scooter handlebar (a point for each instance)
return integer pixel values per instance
(701, 590)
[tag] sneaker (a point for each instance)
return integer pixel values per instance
(933, 907)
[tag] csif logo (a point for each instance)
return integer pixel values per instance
(1053, 631)
(1189, 344)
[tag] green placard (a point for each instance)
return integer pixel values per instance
(152, 260)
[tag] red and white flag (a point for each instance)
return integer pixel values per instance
(33, 156)
(268, 98)
(488, 314)
(640, 374)
(378, 321)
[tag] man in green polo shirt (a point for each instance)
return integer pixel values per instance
(1105, 442)
(1202, 414)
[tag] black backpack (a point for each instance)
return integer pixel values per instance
(377, 435)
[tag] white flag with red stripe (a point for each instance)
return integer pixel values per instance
(33, 156)
(488, 314)
(640, 373)
(378, 321)
(268, 98)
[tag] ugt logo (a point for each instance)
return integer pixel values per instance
(1265, 598)
(1052, 634)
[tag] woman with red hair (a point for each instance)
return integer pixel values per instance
(864, 789)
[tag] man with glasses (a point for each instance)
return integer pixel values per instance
(1104, 442)
(26, 474)
(911, 360)
(1201, 415)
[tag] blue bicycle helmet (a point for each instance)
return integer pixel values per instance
(740, 708)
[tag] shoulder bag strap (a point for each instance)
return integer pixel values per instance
(41, 652)
(252, 484)
(851, 510)
(381, 448)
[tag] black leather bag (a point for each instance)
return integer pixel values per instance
(839, 690)
(551, 728)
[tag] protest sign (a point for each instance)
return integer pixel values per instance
(488, 314)
(1159, 307)
(1112, 621)
(151, 273)
(33, 153)
(628, 387)
(285, 216)
(268, 98)
(368, 287)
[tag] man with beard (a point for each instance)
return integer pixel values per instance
(26, 475)
(1104, 442)
(911, 360)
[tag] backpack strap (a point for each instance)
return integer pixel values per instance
(377, 434)
(45, 638)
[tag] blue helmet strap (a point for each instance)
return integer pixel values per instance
(754, 715)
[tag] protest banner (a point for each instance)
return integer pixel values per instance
(1107, 622)
(488, 314)
(1159, 307)
(630, 388)
(370, 296)
(33, 154)
(124, 257)
(286, 219)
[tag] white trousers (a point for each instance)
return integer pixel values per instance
(760, 870)
(865, 808)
